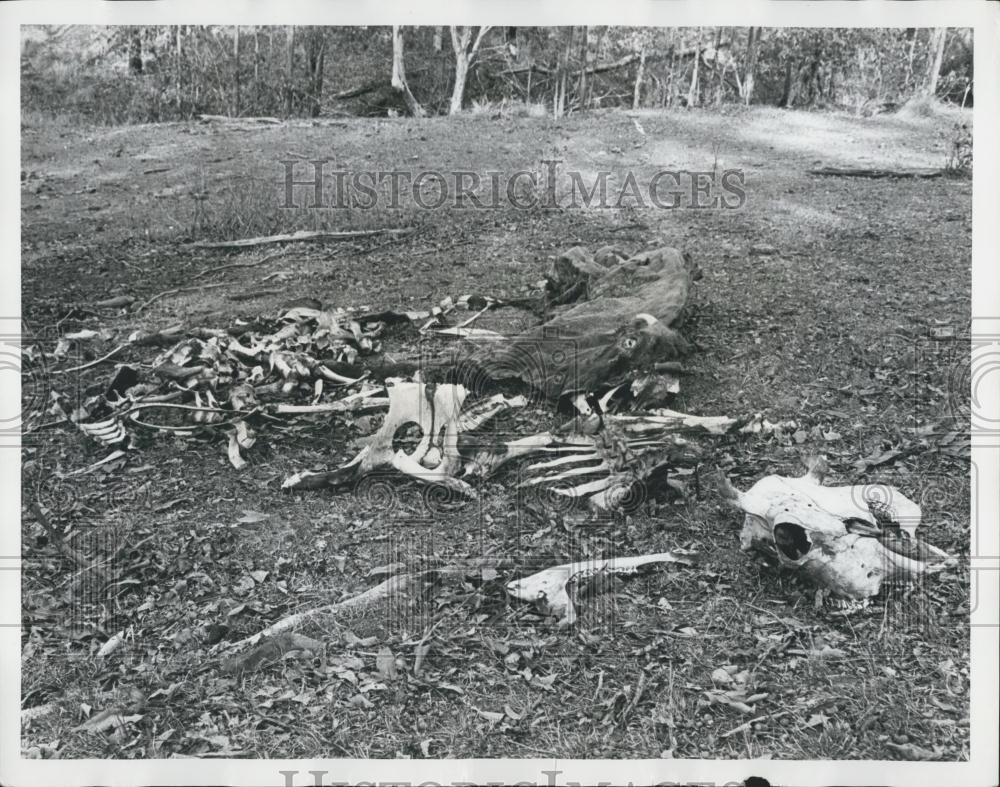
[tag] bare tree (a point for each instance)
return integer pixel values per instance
(178, 65)
(236, 71)
(289, 67)
(466, 47)
(692, 97)
(750, 67)
(584, 51)
(559, 89)
(316, 53)
(937, 42)
(640, 74)
(256, 66)
(135, 51)
(399, 74)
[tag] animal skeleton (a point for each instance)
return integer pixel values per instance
(600, 459)
(548, 589)
(848, 540)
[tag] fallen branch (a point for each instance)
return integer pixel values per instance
(270, 651)
(392, 585)
(227, 119)
(360, 91)
(296, 237)
(118, 302)
(860, 172)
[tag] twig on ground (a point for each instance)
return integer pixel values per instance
(113, 456)
(249, 296)
(438, 249)
(372, 249)
(261, 261)
(102, 359)
(157, 297)
(55, 535)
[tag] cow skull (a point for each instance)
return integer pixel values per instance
(847, 540)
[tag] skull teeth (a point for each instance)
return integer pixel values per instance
(845, 606)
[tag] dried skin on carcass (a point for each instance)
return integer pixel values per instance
(623, 327)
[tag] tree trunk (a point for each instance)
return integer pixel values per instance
(938, 40)
(911, 50)
(135, 52)
(177, 65)
(317, 106)
(750, 69)
(562, 77)
(640, 74)
(316, 49)
(461, 72)
(289, 67)
(582, 86)
(786, 94)
(438, 41)
(720, 69)
(671, 87)
(465, 51)
(236, 71)
(399, 74)
(692, 97)
(256, 68)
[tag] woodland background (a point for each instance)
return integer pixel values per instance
(124, 74)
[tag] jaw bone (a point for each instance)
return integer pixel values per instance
(548, 589)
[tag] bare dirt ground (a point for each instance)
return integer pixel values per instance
(855, 327)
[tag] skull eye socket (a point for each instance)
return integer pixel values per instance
(791, 540)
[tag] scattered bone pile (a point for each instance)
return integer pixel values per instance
(609, 349)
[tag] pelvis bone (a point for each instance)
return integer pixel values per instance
(847, 540)
(437, 410)
(548, 589)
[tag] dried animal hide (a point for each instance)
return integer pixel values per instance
(847, 540)
(572, 272)
(549, 591)
(622, 329)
